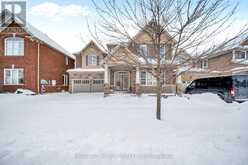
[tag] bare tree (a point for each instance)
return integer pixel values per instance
(190, 27)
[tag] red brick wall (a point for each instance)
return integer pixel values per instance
(27, 62)
(52, 65)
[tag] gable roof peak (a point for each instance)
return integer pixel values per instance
(94, 44)
(33, 31)
(152, 22)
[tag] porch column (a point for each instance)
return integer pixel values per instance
(106, 79)
(137, 82)
(179, 84)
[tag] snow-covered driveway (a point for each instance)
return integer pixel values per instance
(65, 129)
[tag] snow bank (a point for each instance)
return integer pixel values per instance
(89, 129)
(24, 92)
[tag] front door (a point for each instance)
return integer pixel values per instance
(122, 81)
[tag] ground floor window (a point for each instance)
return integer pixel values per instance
(13, 76)
(146, 78)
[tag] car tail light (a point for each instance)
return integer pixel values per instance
(232, 92)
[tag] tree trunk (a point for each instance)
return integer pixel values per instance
(158, 114)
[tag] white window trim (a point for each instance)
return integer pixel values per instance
(66, 79)
(154, 81)
(163, 53)
(203, 62)
(242, 59)
(141, 50)
(91, 57)
(6, 69)
(5, 47)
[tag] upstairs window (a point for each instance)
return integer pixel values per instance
(13, 76)
(143, 50)
(162, 51)
(204, 64)
(240, 55)
(92, 60)
(14, 46)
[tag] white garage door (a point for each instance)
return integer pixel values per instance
(97, 86)
(86, 85)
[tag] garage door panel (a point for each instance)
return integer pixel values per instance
(97, 86)
(81, 86)
(88, 85)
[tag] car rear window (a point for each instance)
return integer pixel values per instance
(241, 81)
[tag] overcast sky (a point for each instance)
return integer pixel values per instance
(65, 20)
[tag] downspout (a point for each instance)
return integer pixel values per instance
(38, 68)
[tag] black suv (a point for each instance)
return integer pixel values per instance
(229, 88)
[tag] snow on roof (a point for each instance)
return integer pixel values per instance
(43, 37)
(236, 43)
(36, 33)
(86, 70)
(95, 44)
(148, 60)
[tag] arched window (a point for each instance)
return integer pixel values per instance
(14, 46)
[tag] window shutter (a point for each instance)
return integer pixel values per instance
(98, 60)
(86, 60)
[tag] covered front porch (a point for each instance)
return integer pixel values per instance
(121, 78)
(134, 79)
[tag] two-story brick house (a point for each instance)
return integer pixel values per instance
(29, 58)
(122, 69)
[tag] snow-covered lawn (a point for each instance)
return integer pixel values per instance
(85, 129)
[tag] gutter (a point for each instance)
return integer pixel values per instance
(38, 68)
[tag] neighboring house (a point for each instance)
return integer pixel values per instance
(29, 57)
(122, 69)
(230, 61)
